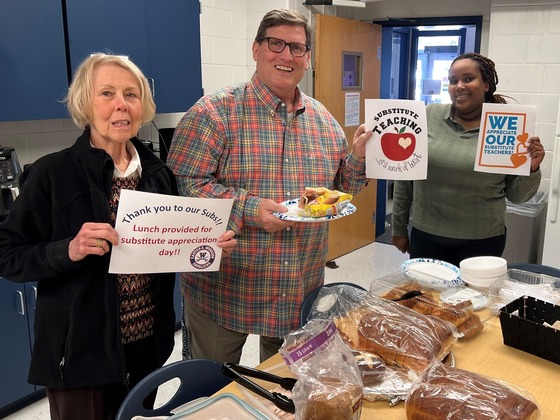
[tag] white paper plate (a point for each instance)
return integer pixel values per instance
(293, 213)
(433, 272)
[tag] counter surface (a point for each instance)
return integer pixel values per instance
(485, 354)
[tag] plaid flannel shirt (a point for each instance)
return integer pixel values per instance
(240, 143)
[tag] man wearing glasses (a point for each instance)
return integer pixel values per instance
(261, 143)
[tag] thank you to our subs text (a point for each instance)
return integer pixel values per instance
(162, 233)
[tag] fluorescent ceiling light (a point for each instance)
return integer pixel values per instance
(345, 3)
(348, 3)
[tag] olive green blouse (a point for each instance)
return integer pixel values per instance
(455, 201)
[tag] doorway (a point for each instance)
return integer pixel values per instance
(416, 56)
(435, 50)
(347, 71)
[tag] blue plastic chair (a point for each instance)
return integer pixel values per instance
(537, 268)
(199, 378)
(307, 303)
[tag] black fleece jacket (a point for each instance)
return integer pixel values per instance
(77, 338)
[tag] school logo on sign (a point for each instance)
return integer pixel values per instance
(202, 257)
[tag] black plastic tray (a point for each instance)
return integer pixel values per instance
(522, 327)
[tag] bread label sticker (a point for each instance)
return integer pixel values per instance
(308, 349)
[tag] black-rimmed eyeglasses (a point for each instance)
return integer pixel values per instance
(277, 45)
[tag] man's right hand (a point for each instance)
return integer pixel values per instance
(269, 222)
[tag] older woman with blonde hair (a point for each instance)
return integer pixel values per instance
(96, 334)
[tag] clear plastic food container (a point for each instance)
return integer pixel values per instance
(220, 407)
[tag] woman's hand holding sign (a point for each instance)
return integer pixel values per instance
(93, 238)
(536, 151)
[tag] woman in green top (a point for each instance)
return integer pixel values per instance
(458, 213)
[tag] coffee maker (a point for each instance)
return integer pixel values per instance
(10, 171)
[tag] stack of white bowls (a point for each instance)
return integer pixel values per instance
(483, 273)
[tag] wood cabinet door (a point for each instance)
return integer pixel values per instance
(335, 37)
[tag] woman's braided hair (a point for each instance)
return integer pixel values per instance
(489, 75)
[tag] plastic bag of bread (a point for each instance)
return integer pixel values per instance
(321, 202)
(336, 300)
(381, 382)
(328, 385)
(393, 332)
(446, 393)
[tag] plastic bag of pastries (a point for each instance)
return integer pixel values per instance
(447, 393)
(328, 385)
(460, 314)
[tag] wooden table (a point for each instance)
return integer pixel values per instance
(485, 354)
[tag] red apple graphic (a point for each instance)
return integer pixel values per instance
(398, 146)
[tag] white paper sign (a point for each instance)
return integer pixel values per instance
(352, 109)
(502, 140)
(398, 148)
(163, 233)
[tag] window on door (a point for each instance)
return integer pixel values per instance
(434, 53)
(417, 53)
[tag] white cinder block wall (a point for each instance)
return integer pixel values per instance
(228, 29)
(521, 36)
(524, 42)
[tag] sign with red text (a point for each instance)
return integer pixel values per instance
(398, 148)
(164, 233)
(502, 140)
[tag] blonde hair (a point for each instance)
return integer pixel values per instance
(79, 99)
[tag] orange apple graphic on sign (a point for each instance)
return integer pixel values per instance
(398, 146)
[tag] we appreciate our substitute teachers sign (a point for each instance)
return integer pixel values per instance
(162, 233)
(503, 139)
